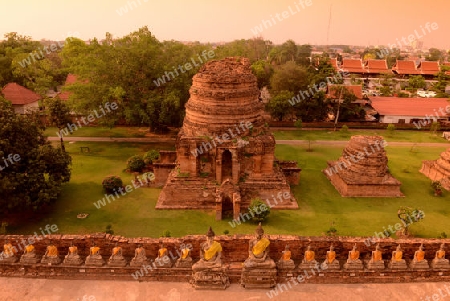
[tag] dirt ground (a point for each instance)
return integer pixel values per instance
(25, 289)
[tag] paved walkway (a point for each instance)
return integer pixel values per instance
(25, 289)
(289, 142)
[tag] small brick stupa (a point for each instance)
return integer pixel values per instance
(438, 170)
(225, 151)
(362, 170)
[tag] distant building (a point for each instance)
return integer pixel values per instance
(377, 67)
(23, 100)
(64, 95)
(409, 110)
(405, 68)
(410, 67)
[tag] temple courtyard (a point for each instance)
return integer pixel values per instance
(134, 214)
(101, 290)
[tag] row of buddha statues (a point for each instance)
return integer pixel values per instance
(211, 252)
(94, 258)
(376, 262)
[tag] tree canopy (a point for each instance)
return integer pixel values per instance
(31, 169)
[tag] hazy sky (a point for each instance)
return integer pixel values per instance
(357, 22)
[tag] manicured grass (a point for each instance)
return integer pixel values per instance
(134, 214)
(398, 135)
(97, 131)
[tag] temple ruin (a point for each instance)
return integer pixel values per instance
(438, 170)
(362, 170)
(224, 152)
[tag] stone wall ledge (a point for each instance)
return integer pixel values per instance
(41, 271)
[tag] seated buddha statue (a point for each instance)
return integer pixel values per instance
(353, 261)
(72, 257)
(9, 253)
(116, 259)
(140, 257)
(331, 263)
(397, 261)
(185, 260)
(29, 255)
(163, 260)
(419, 261)
(439, 261)
(258, 252)
(51, 255)
(285, 262)
(309, 260)
(94, 258)
(210, 254)
(376, 261)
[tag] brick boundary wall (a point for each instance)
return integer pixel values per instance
(235, 251)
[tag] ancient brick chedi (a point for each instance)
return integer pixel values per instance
(362, 170)
(438, 170)
(224, 151)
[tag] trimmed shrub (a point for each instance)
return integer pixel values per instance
(135, 164)
(391, 128)
(166, 233)
(112, 183)
(258, 210)
(344, 129)
(150, 156)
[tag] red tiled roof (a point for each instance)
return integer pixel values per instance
(19, 95)
(355, 89)
(429, 67)
(405, 67)
(64, 95)
(419, 107)
(377, 66)
(71, 79)
(333, 63)
(353, 66)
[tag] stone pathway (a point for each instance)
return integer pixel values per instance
(291, 142)
(26, 289)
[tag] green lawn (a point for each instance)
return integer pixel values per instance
(134, 215)
(398, 135)
(97, 131)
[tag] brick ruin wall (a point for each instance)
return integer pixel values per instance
(235, 251)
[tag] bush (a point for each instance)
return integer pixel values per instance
(226, 232)
(435, 127)
(258, 210)
(150, 156)
(298, 124)
(344, 129)
(135, 164)
(391, 128)
(166, 233)
(109, 230)
(112, 183)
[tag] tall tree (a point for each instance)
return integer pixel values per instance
(34, 178)
(290, 77)
(435, 54)
(59, 116)
(279, 106)
(148, 79)
(263, 72)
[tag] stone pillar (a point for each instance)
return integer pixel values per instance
(236, 205)
(235, 167)
(193, 161)
(257, 166)
(219, 166)
(218, 206)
